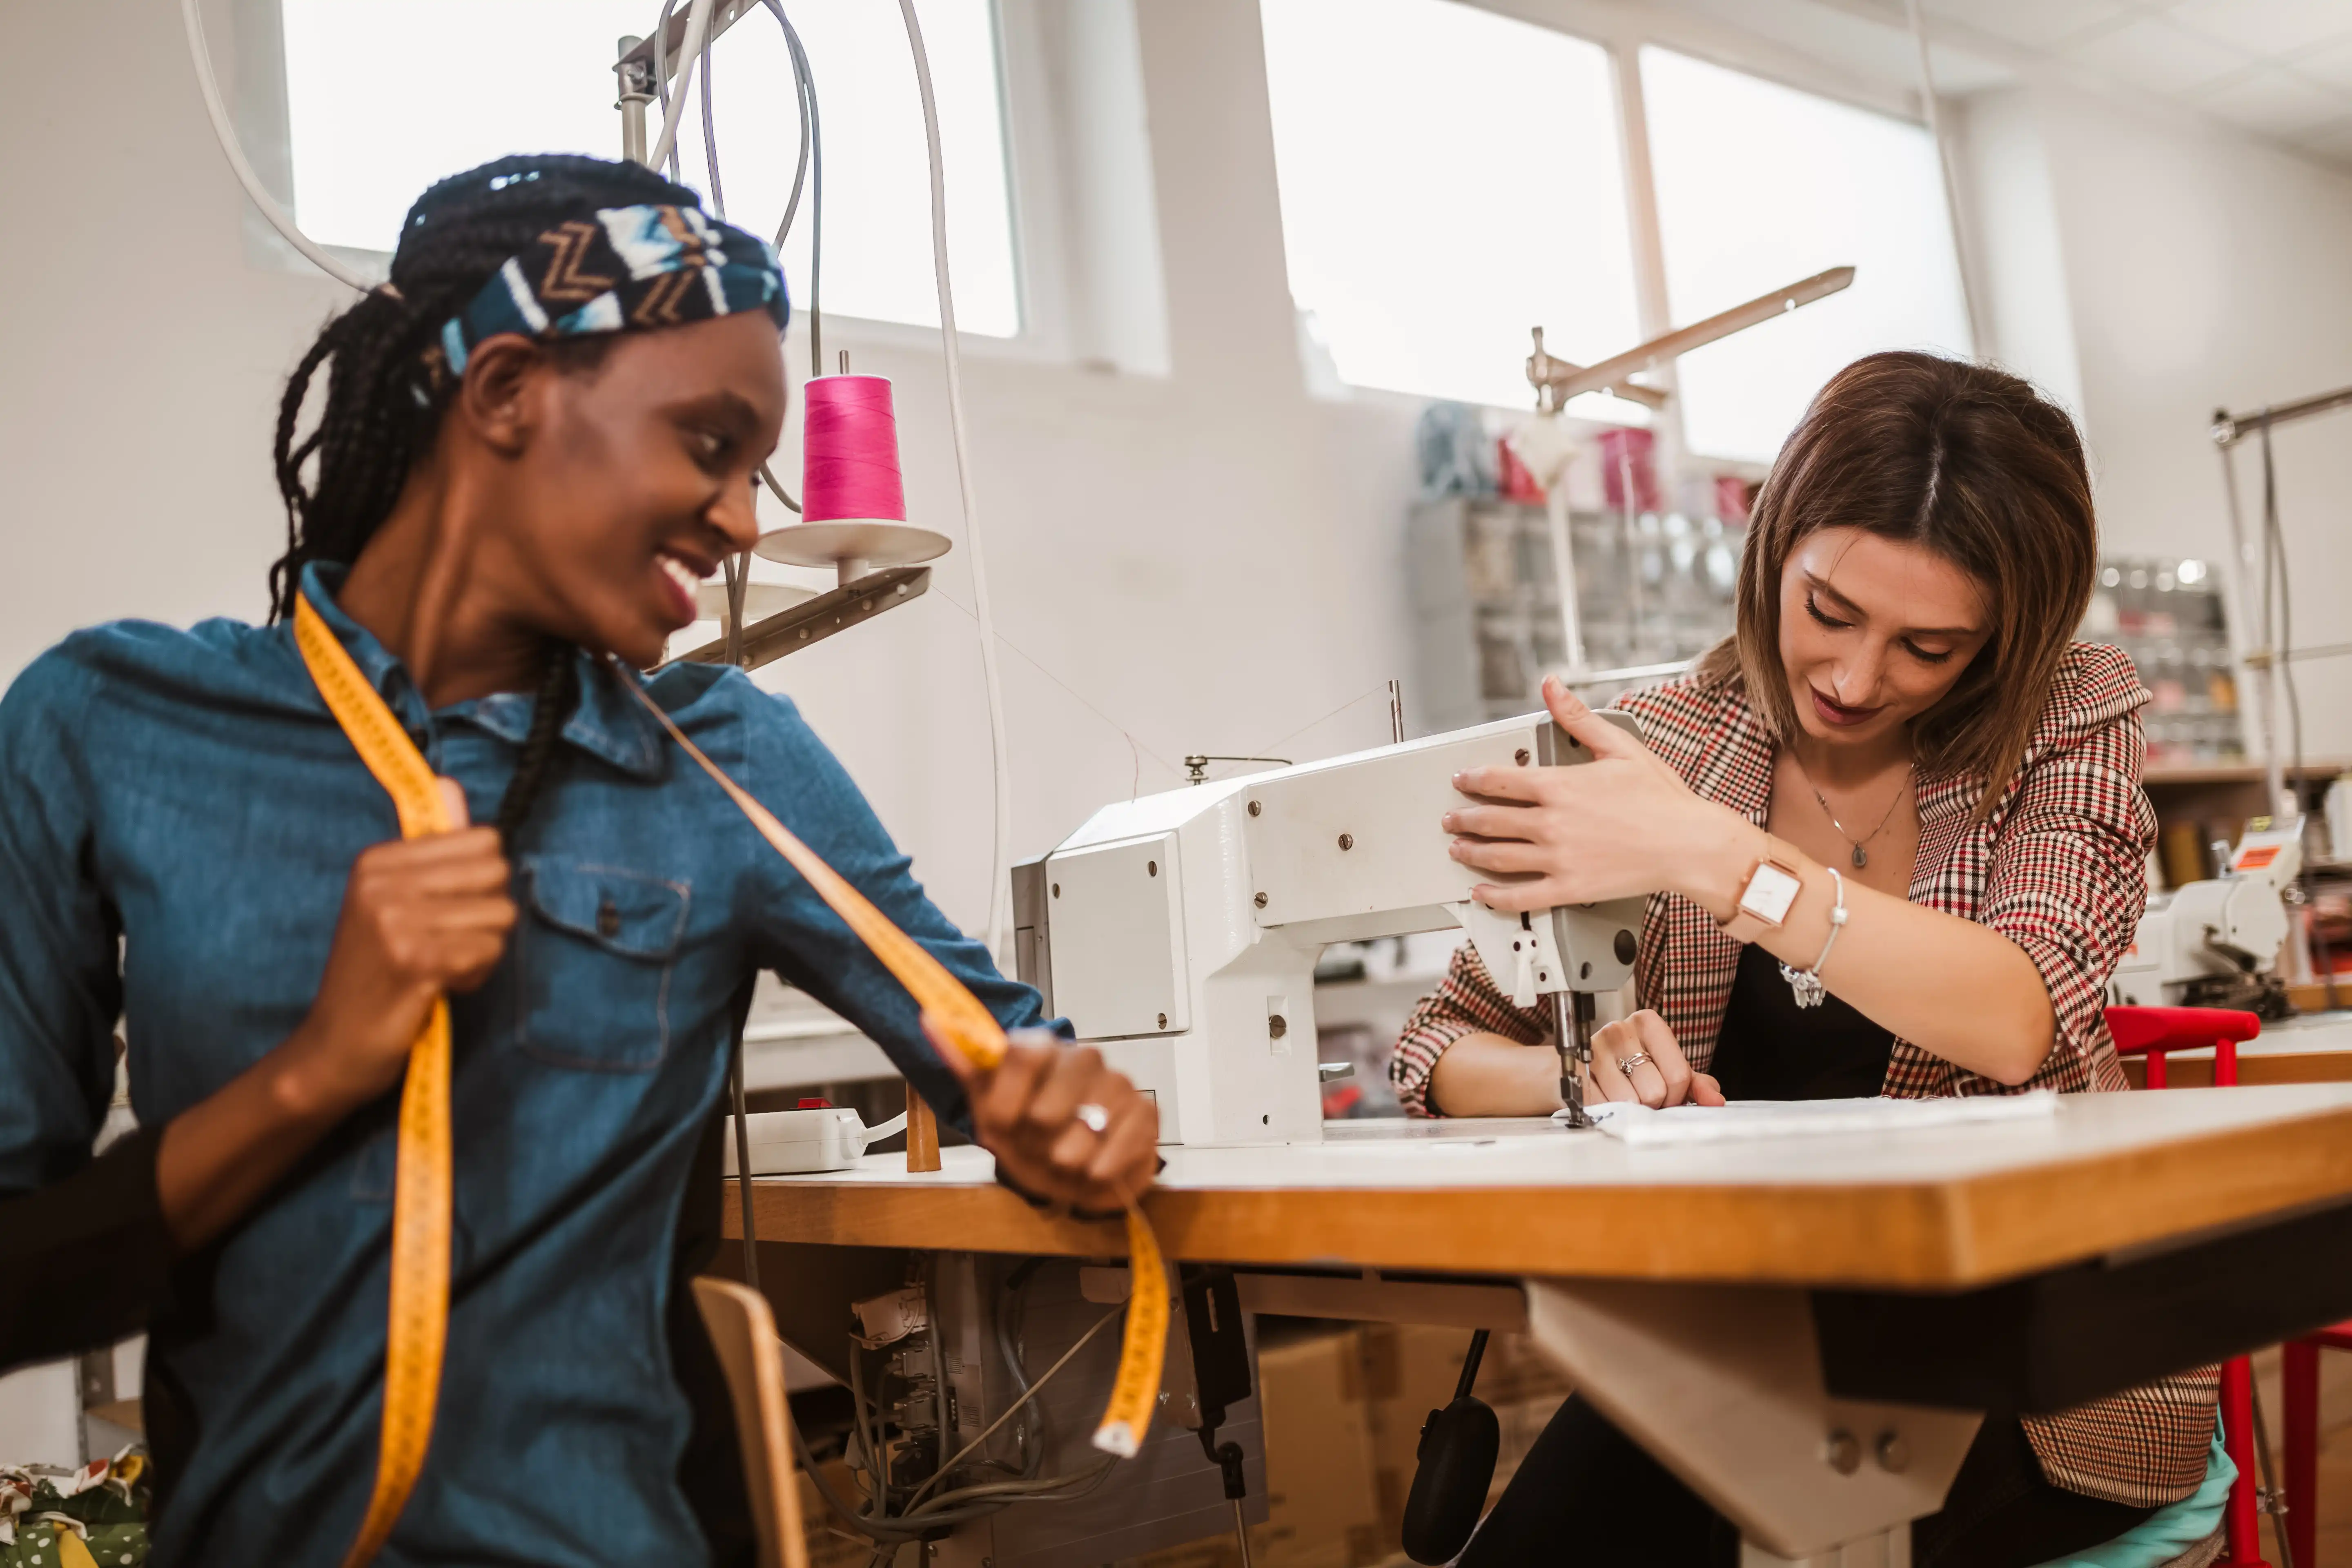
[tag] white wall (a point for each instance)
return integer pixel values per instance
(1208, 557)
(2169, 268)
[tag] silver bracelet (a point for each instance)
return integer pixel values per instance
(1807, 982)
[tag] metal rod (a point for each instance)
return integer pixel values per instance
(743, 1167)
(814, 620)
(1631, 673)
(2261, 659)
(1396, 714)
(1241, 1532)
(2229, 428)
(642, 51)
(1571, 1022)
(635, 95)
(1563, 571)
(1698, 334)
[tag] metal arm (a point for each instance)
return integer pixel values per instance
(1556, 381)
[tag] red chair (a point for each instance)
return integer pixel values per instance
(2152, 1032)
(2301, 1376)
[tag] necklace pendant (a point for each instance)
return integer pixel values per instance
(1861, 856)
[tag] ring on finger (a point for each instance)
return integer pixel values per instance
(1627, 1064)
(1094, 1118)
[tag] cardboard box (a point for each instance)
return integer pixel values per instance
(1343, 1414)
(826, 1549)
(1321, 1510)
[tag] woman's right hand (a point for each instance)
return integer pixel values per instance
(420, 917)
(1659, 1077)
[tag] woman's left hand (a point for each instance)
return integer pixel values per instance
(1659, 1075)
(1620, 825)
(1061, 1124)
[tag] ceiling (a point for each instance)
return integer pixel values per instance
(2279, 68)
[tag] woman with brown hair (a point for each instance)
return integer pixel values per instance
(1893, 837)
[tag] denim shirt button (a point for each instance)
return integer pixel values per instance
(608, 920)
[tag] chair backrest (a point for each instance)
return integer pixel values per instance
(743, 1332)
(2154, 1031)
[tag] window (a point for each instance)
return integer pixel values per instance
(1449, 178)
(1758, 186)
(384, 97)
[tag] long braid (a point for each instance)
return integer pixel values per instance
(383, 402)
(559, 689)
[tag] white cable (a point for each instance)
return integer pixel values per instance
(225, 134)
(1944, 169)
(999, 867)
(697, 23)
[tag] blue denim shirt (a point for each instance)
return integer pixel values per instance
(187, 795)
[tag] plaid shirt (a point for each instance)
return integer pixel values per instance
(2058, 867)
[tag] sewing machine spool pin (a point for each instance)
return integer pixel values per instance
(1572, 1019)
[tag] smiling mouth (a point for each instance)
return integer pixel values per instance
(1836, 712)
(685, 577)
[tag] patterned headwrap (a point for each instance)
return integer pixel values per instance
(625, 268)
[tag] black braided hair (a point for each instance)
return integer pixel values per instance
(380, 420)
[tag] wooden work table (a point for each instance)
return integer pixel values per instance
(1947, 1208)
(1740, 1308)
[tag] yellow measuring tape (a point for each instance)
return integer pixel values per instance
(417, 1327)
(973, 1030)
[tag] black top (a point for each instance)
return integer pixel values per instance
(1770, 1048)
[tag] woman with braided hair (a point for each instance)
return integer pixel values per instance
(534, 442)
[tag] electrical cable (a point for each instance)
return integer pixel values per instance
(2275, 570)
(697, 27)
(957, 1504)
(1027, 1394)
(661, 81)
(998, 886)
(814, 124)
(1944, 167)
(800, 94)
(710, 137)
(904, 1529)
(224, 134)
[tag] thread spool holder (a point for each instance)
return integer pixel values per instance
(852, 499)
(853, 548)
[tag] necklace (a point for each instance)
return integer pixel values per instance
(1861, 855)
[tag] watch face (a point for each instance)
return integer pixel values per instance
(1770, 892)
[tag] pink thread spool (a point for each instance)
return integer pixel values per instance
(849, 452)
(852, 499)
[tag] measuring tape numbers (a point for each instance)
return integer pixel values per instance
(417, 1323)
(974, 1032)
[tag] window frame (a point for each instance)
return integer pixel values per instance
(1624, 35)
(1033, 189)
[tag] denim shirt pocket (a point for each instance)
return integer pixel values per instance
(593, 958)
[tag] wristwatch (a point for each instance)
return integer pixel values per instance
(1764, 902)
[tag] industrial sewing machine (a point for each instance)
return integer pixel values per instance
(2216, 944)
(1179, 932)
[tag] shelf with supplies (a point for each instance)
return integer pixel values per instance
(2168, 613)
(1653, 590)
(2198, 805)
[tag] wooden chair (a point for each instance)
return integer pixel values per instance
(743, 1332)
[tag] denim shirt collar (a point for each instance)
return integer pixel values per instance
(608, 724)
